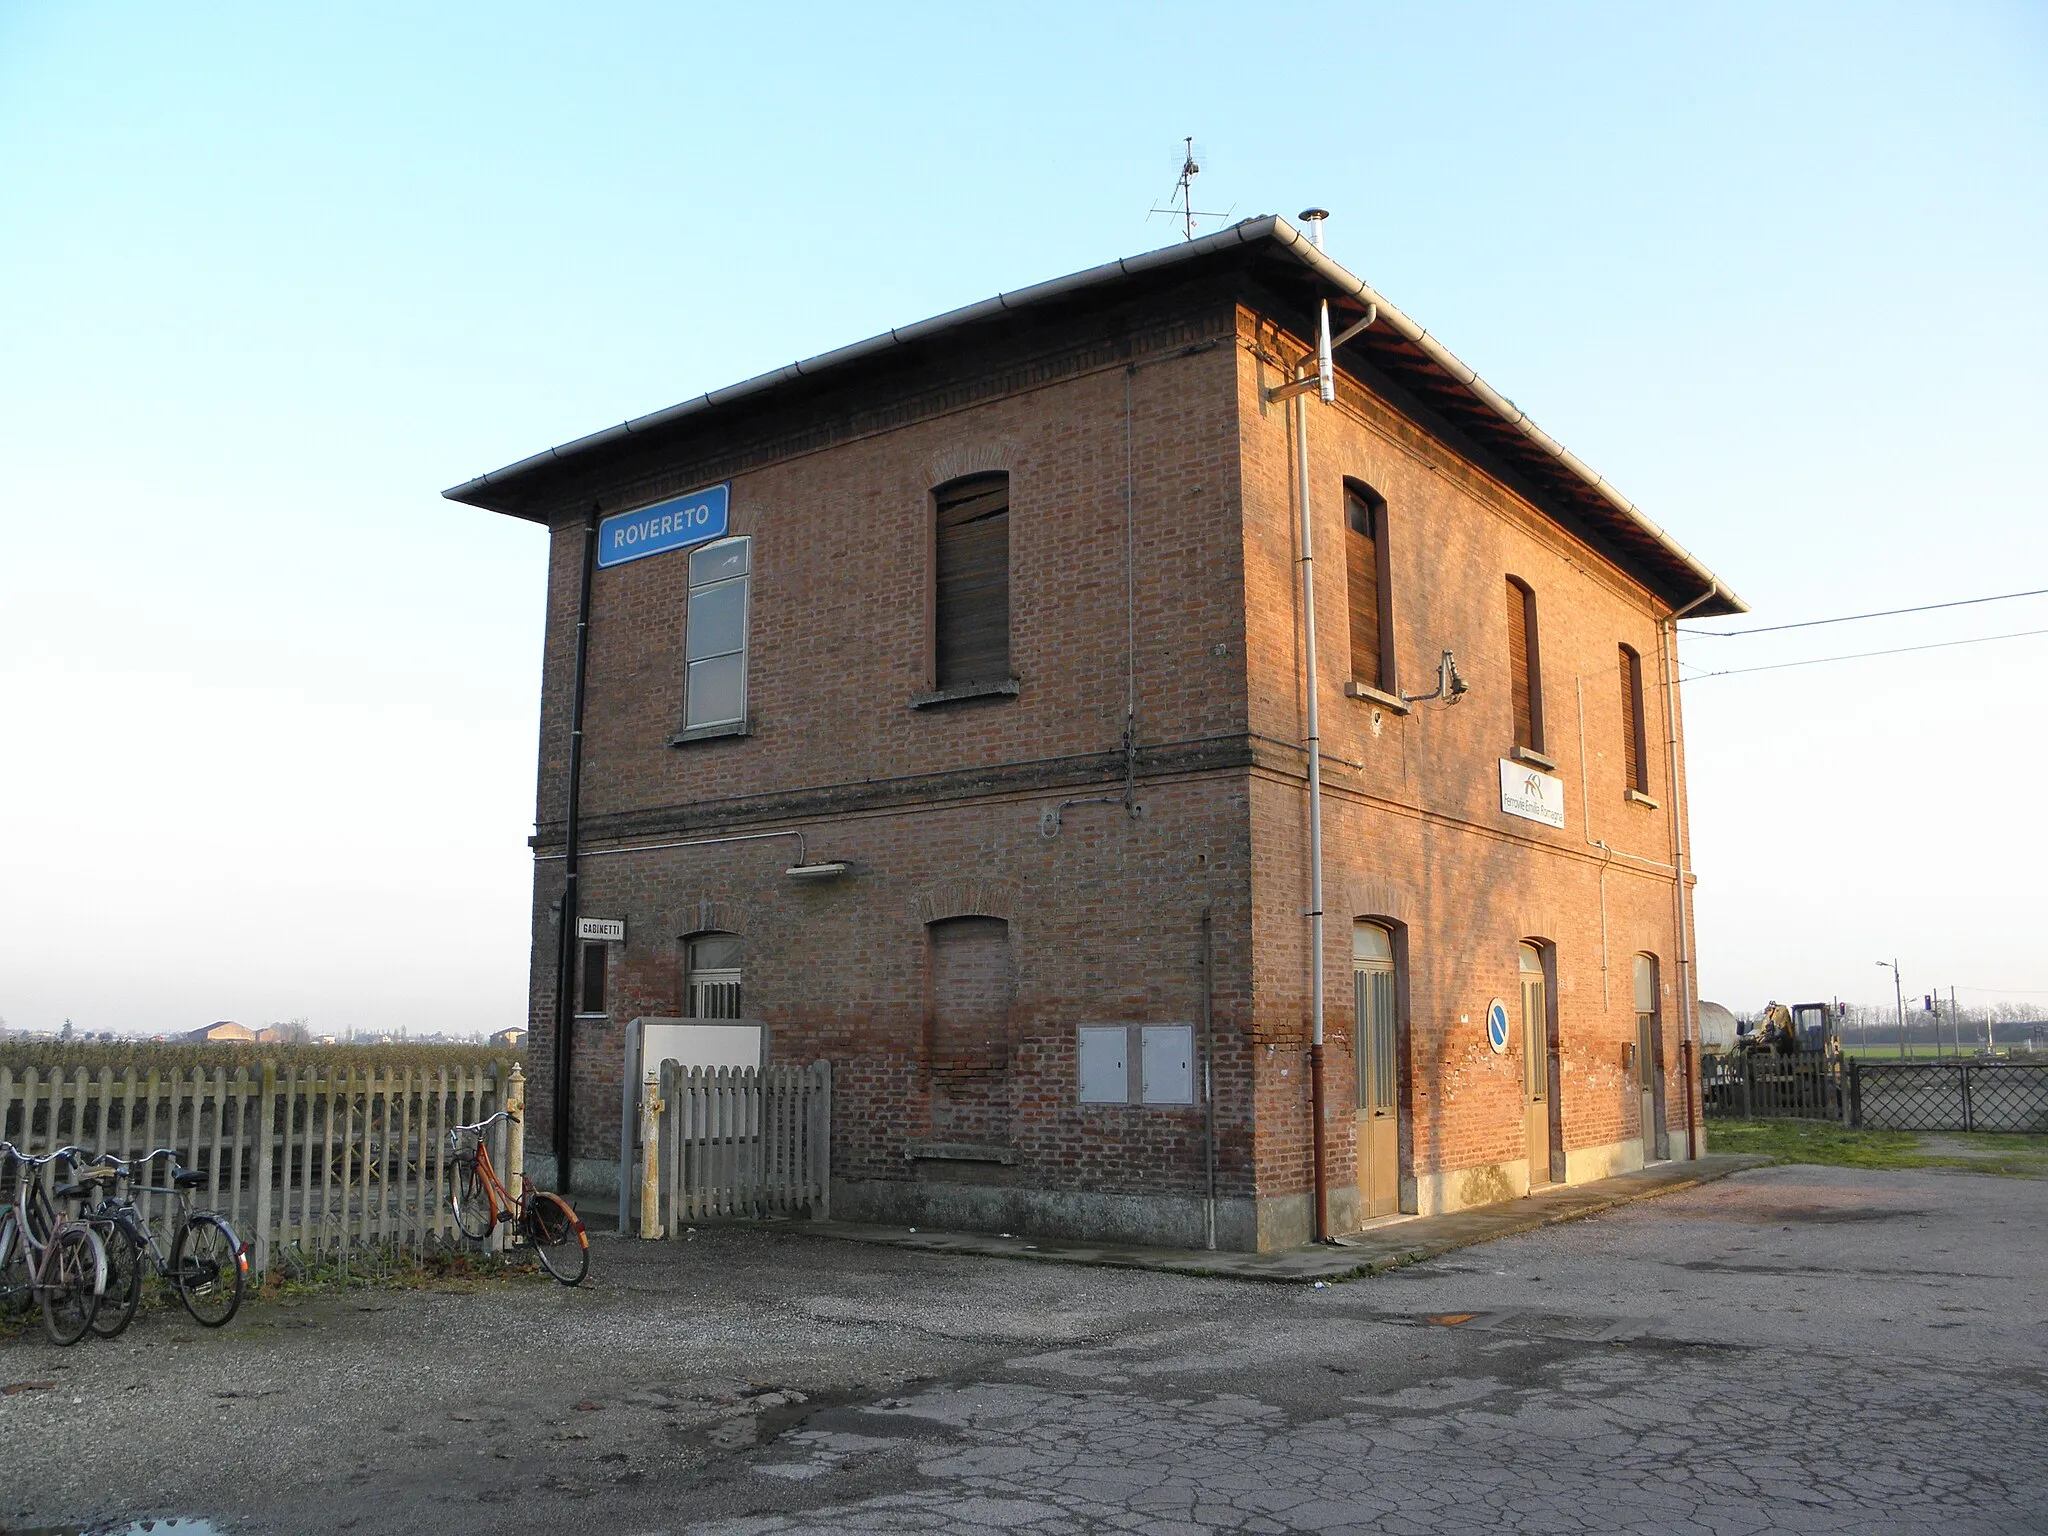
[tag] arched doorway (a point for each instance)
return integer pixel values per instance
(1650, 1060)
(1539, 1066)
(1376, 1043)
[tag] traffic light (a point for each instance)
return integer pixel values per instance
(1927, 1001)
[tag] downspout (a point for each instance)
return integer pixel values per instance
(1667, 639)
(1314, 745)
(565, 962)
(1209, 1069)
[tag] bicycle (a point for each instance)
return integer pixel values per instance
(547, 1222)
(208, 1265)
(56, 1258)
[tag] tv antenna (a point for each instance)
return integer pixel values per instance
(1182, 202)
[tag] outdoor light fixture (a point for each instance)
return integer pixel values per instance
(830, 871)
(1450, 687)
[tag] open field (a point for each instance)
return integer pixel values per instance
(1796, 1348)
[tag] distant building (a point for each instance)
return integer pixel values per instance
(512, 1038)
(223, 1030)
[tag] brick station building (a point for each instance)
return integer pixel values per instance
(1002, 639)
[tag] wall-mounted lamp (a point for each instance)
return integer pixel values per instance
(1449, 686)
(830, 871)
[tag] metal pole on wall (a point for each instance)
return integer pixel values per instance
(565, 961)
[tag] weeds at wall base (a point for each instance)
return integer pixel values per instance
(295, 1275)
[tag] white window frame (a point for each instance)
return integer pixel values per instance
(745, 581)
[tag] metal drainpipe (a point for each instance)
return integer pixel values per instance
(1209, 1068)
(1668, 636)
(565, 969)
(1314, 743)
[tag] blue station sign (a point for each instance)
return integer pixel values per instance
(673, 524)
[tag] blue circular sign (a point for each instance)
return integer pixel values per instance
(1497, 1027)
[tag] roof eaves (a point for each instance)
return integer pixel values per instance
(1266, 228)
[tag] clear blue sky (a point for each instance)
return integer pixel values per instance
(270, 278)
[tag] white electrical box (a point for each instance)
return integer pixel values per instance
(1166, 1060)
(1105, 1056)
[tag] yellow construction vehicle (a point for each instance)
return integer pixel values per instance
(1785, 1031)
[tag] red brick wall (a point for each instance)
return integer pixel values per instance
(942, 812)
(1413, 829)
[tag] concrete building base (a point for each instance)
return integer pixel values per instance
(1162, 1221)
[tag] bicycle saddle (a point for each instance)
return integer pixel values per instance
(191, 1179)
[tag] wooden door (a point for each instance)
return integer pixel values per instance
(1649, 1065)
(1536, 1065)
(1377, 1043)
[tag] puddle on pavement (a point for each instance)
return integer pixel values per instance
(178, 1525)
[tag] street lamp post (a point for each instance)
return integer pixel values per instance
(1899, 996)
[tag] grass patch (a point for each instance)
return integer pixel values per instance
(1817, 1141)
(294, 1275)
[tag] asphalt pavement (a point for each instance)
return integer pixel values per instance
(1789, 1349)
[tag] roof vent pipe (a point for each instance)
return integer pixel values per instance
(1326, 371)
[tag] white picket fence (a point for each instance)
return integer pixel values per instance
(318, 1159)
(752, 1141)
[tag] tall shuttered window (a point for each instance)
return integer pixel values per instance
(1635, 759)
(971, 608)
(1371, 590)
(715, 636)
(1525, 666)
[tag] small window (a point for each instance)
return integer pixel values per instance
(711, 977)
(1635, 760)
(1525, 666)
(715, 636)
(591, 996)
(1370, 588)
(971, 604)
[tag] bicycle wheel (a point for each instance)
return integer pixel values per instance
(74, 1275)
(124, 1279)
(557, 1235)
(206, 1263)
(17, 1292)
(472, 1200)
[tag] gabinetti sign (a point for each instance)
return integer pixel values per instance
(1531, 794)
(673, 524)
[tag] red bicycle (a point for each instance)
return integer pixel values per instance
(545, 1221)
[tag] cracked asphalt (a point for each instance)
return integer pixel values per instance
(1792, 1349)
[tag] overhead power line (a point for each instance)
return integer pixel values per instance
(1897, 650)
(1850, 618)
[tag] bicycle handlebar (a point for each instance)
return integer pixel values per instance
(484, 1124)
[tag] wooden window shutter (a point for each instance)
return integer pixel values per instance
(1635, 759)
(971, 614)
(1525, 677)
(1362, 571)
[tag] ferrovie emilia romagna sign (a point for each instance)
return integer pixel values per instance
(673, 524)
